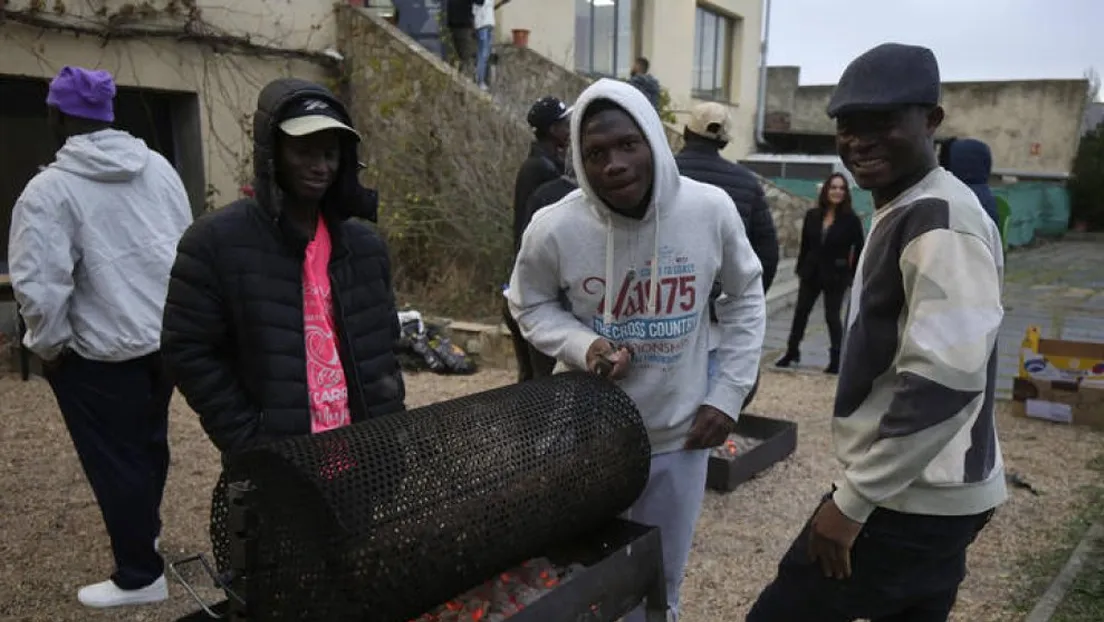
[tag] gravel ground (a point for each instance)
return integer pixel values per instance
(53, 540)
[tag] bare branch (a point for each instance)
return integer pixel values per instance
(189, 32)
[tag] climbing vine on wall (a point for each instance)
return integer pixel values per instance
(222, 60)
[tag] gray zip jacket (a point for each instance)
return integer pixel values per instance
(93, 237)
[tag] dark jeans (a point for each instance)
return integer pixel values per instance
(118, 418)
(807, 293)
(905, 568)
(463, 46)
(531, 362)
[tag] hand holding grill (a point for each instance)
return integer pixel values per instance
(608, 361)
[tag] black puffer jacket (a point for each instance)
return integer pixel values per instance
(233, 334)
(541, 167)
(701, 161)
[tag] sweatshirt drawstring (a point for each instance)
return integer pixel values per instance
(611, 293)
(653, 271)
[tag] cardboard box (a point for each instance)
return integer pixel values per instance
(1061, 381)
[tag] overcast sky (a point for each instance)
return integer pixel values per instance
(973, 39)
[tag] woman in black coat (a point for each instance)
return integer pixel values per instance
(831, 241)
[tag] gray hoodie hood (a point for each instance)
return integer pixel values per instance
(106, 155)
(665, 174)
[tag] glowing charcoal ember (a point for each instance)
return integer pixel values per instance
(736, 445)
(503, 596)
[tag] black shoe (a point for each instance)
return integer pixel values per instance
(833, 368)
(790, 358)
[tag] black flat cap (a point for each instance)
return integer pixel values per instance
(890, 75)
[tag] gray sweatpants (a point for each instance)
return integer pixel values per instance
(672, 501)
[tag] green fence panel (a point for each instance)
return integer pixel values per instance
(1034, 207)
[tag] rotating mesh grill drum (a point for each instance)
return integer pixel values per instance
(389, 518)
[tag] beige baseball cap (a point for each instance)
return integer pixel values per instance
(710, 120)
(308, 116)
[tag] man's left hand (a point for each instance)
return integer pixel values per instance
(831, 536)
(711, 428)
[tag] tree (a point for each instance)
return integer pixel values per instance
(1091, 96)
(1086, 186)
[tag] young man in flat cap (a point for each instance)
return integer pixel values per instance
(93, 238)
(913, 422)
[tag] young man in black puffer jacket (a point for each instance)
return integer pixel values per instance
(235, 337)
(280, 319)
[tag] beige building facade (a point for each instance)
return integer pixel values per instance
(194, 72)
(1032, 126)
(699, 51)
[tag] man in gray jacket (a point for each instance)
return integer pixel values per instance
(93, 237)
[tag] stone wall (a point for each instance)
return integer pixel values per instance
(788, 211)
(523, 76)
(434, 140)
(440, 152)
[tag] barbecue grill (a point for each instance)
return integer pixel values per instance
(402, 515)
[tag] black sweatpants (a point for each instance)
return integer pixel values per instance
(904, 568)
(117, 415)
(531, 362)
(807, 293)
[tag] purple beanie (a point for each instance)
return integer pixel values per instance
(84, 93)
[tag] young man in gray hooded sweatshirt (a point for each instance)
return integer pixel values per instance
(635, 251)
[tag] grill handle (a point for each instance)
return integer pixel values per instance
(221, 582)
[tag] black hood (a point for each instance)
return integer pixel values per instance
(970, 160)
(345, 198)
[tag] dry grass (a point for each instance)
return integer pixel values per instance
(54, 540)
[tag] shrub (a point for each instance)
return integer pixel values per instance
(1086, 187)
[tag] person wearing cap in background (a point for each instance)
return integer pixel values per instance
(550, 120)
(280, 316)
(913, 424)
(705, 136)
(93, 236)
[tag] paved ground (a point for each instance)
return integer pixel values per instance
(1058, 286)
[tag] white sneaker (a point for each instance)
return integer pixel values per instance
(107, 594)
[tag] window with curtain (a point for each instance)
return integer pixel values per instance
(712, 43)
(604, 37)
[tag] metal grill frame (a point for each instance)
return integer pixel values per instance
(623, 568)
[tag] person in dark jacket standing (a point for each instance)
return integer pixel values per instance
(280, 316)
(705, 136)
(831, 242)
(549, 117)
(971, 161)
(645, 82)
(461, 26)
(700, 159)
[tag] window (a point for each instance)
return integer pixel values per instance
(712, 42)
(604, 36)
